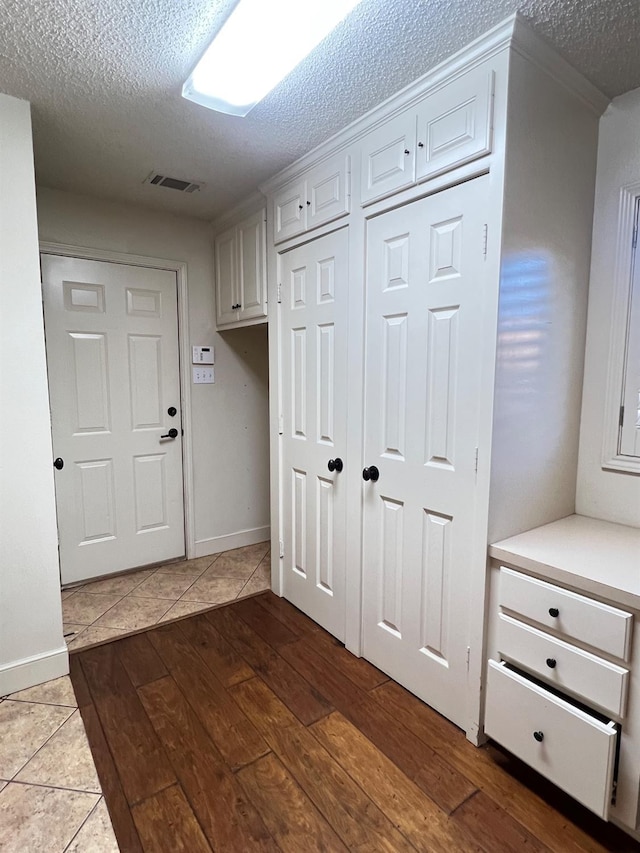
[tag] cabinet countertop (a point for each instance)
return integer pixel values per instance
(588, 554)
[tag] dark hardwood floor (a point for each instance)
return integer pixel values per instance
(249, 728)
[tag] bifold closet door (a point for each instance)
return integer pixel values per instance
(424, 295)
(313, 280)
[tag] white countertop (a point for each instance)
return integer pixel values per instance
(588, 554)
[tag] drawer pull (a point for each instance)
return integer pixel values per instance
(551, 663)
(539, 736)
(553, 611)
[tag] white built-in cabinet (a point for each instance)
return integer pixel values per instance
(240, 272)
(427, 275)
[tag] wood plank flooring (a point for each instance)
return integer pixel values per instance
(249, 728)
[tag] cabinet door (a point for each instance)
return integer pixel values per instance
(389, 158)
(226, 277)
(252, 274)
(424, 292)
(290, 211)
(314, 403)
(454, 124)
(328, 191)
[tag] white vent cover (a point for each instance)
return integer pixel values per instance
(182, 186)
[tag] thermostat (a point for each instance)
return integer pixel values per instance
(203, 355)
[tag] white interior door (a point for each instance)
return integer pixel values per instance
(112, 351)
(314, 294)
(423, 320)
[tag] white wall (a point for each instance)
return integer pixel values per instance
(229, 418)
(32, 648)
(611, 495)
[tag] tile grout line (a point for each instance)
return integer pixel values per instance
(99, 793)
(42, 745)
(101, 798)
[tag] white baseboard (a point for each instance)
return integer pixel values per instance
(28, 672)
(204, 547)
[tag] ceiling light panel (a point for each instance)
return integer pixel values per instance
(259, 44)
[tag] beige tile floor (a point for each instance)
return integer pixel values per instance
(50, 796)
(105, 609)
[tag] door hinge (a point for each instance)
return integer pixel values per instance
(634, 239)
(281, 549)
(621, 420)
(280, 425)
(279, 293)
(468, 656)
(485, 241)
(476, 461)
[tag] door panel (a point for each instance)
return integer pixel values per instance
(423, 319)
(314, 388)
(252, 274)
(112, 351)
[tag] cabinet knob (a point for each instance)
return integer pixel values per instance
(371, 473)
(335, 464)
(308, 204)
(553, 611)
(58, 464)
(300, 206)
(406, 151)
(420, 144)
(539, 736)
(551, 663)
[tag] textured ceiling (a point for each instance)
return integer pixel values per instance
(104, 79)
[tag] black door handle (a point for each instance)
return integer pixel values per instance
(335, 464)
(371, 473)
(173, 433)
(58, 463)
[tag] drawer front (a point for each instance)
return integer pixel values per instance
(389, 158)
(454, 124)
(584, 619)
(328, 191)
(289, 211)
(565, 667)
(576, 752)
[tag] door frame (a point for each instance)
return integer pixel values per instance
(184, 357)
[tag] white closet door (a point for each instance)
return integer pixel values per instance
(423, 351)
(313, 281)
(112, 353)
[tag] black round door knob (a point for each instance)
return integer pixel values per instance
(172, 411)
(551, 663)
(371, 473)
(173, 433)
(58, 464)
(335, 464)
(553, 611)
(539, 736)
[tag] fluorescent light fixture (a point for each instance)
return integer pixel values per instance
(259, 44)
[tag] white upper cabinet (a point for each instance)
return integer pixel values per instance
(321, 196)
(450, 127)
(240, 268)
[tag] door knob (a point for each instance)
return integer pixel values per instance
(371, 473)
(173, 433)
(335, 464)
(58, 463)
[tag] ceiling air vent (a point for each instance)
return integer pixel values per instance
(159, 180)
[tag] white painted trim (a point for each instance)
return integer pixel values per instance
(205, 547)
(611, 459)
(180, 269)
(543, 56)
(250, 204)
(27, 672)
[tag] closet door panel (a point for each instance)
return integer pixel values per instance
(314, 400)
(424, 296)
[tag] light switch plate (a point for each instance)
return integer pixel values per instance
(203, 376)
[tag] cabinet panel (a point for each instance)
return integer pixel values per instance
(252, 276)
(565, 667)
(389, 158)
(289, 211)
(226, 272)
(571, 748)
(328, 192)
(454, 125)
